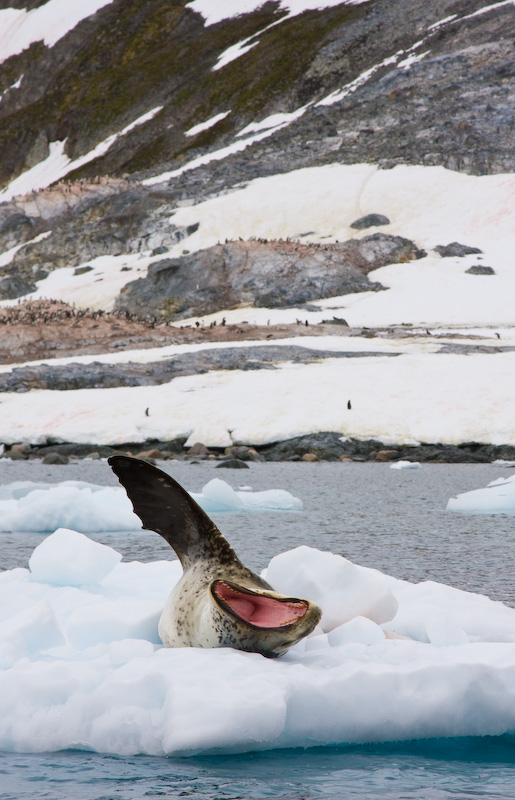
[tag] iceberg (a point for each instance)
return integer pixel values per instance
(496, 498)
(85, 507)
(81, 665)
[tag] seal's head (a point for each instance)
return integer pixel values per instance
(218, 602)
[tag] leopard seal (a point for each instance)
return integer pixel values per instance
(218, 602)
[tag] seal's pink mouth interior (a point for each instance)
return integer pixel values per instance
(258, 610)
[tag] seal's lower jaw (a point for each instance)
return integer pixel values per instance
(258, 610)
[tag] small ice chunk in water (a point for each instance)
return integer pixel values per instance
(496, 498)
(217, 495)
(405, 465)
(68, 558)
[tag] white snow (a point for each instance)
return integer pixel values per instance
(273, 121)
(423, 398)
(43, 507)
(81, 665)
(208, 123)
(215, 11)
(430, 205)
(405, 465)
(48, 23)
(57, 164)
(496, 498)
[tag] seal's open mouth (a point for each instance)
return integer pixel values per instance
(257, 609)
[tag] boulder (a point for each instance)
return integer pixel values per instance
(271, 274)
(55, 458)
(479, 269)
(232, 463)
(369, 221)
(456, 249)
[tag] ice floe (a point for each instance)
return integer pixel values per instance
(496, 498)
(81, 665)
(88, 508)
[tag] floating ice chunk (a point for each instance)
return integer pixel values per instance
(405, 465)
(88, 508)
(496, 498)
(217, 495)
(342, 589)
(28, 506)
(112, 690)
(67, 558)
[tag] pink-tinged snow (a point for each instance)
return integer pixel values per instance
(82, 665)
(48, 23)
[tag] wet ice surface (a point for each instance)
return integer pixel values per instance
(394, 521)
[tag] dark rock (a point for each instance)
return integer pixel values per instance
(14, 455)
(335, 321)
(82, 270)
(381, 249)
(263, 274)
(152, 454)
(456, 249)
(55, 458)
(326, 446)
(102, 376)
(479, 269)
(243, 453)
(369, 221)
(386, 455)
(232, 463)
(15, 286)
(198, 449)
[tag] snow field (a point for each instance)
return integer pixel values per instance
(407, 399)
(81, 664)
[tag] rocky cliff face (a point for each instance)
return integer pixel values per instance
(141, 88)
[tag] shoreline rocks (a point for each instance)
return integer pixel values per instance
(312, 448)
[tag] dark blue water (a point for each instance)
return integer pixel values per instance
(392, 520)
(423, 770)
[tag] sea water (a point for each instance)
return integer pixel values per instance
(392, 520)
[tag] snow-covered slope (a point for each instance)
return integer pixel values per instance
(387, 109)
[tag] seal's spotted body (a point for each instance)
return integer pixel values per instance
(218, 602)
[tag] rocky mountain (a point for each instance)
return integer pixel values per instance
(133, 90)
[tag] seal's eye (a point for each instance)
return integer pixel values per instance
(257, 609)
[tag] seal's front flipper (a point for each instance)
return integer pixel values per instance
(165, 507)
